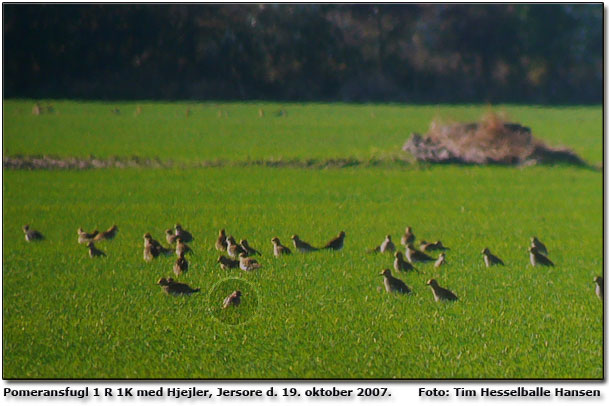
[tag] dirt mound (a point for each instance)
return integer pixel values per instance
(491, 141)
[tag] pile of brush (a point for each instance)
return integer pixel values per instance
(493, 140)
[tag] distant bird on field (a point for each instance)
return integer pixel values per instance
(441, 260)
(138, 111)
(234, 299)
(301, 245)
(393, 284)
(183, 234)
(414, 255)
(232, 248)
(249, 251)
(279, 249)
(538, 258)
(152, 248)
(432, 246)
(181, 265)
(387, 245)
(408, 237)
(174, 288)
(440, 293)
(227, 263)
(84, 237)
(541, 248)
(399, 264)
(31, 234)
(247, 263)
(599, 287)
(221, 243)
(116, 111)
(260, 113)
(490, 259)
(336, 243)
(37, 109)
(109, 234)
(181, 247)
(170, 237)
(94, 252)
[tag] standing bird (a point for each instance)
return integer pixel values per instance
(234, 299)
(170, 237)
(152, 248)
(279, 249)
(181, 247)
(440, 293)
(408, 237)
(336, 243)
(181, 265)
(183, 234)
(247, 263)
(84, 237)
(416, 256)
(109, 234)
(393, 284)
(32, 235)
(94, 252)
(302, 246)
(387, 245)
(221, 243)
(249, 251)
(174, 288)
(441, 260)
(232, 248)
(399, 264)
(227, 263)
(537, 258)
(490, 259)
(599, 287)
(539, 245)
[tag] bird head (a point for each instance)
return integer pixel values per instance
(486, 251)
(410, 247)
(533, 250)
(423, 242)
(220, 259)
(237, 293)
(598, 280)
(408, 229)
(90, 244)
(386, 272)
(295, 237)
(243, 242)
(178, 227)
(342, 234)
(26, 227)
(222, 233)
(79, 231)
(168, 232)
(399, 254)
(242, 255)
(388, 237)
(147, 236)
(162, 282)
(231, 240)
(432, 282)
(275, 240)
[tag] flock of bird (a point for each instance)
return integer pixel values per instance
(239, 255)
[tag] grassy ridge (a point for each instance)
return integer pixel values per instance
(320, 315)
(309, 131)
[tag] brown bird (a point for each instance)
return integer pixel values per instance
(152, 248)
(393, 284)
(387, 245)
(109, 234)
(174, 288)
(441, 260)
(440, 293)
(249, 251)
(302, 246)
(221, 243)
(490, 259)
(538, 258)
(84, 237)
(32, 235)
(416, 256)
(181, 247)
(170, 237)
(94, 252)
(232, 248)
(336, 243)
(181, 265)
(408, 237)
(399, 264)
(247, 263)
(279, 249)
(432, 246)
(234, 299)
(539, 245)
(599, 287)
(227, 263)
(183, 234)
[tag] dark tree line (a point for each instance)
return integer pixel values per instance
(538, 53)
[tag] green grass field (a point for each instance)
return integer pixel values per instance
(319, 315)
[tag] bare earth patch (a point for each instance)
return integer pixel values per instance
(490, 141)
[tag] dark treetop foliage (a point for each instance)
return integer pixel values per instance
(537, 53)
